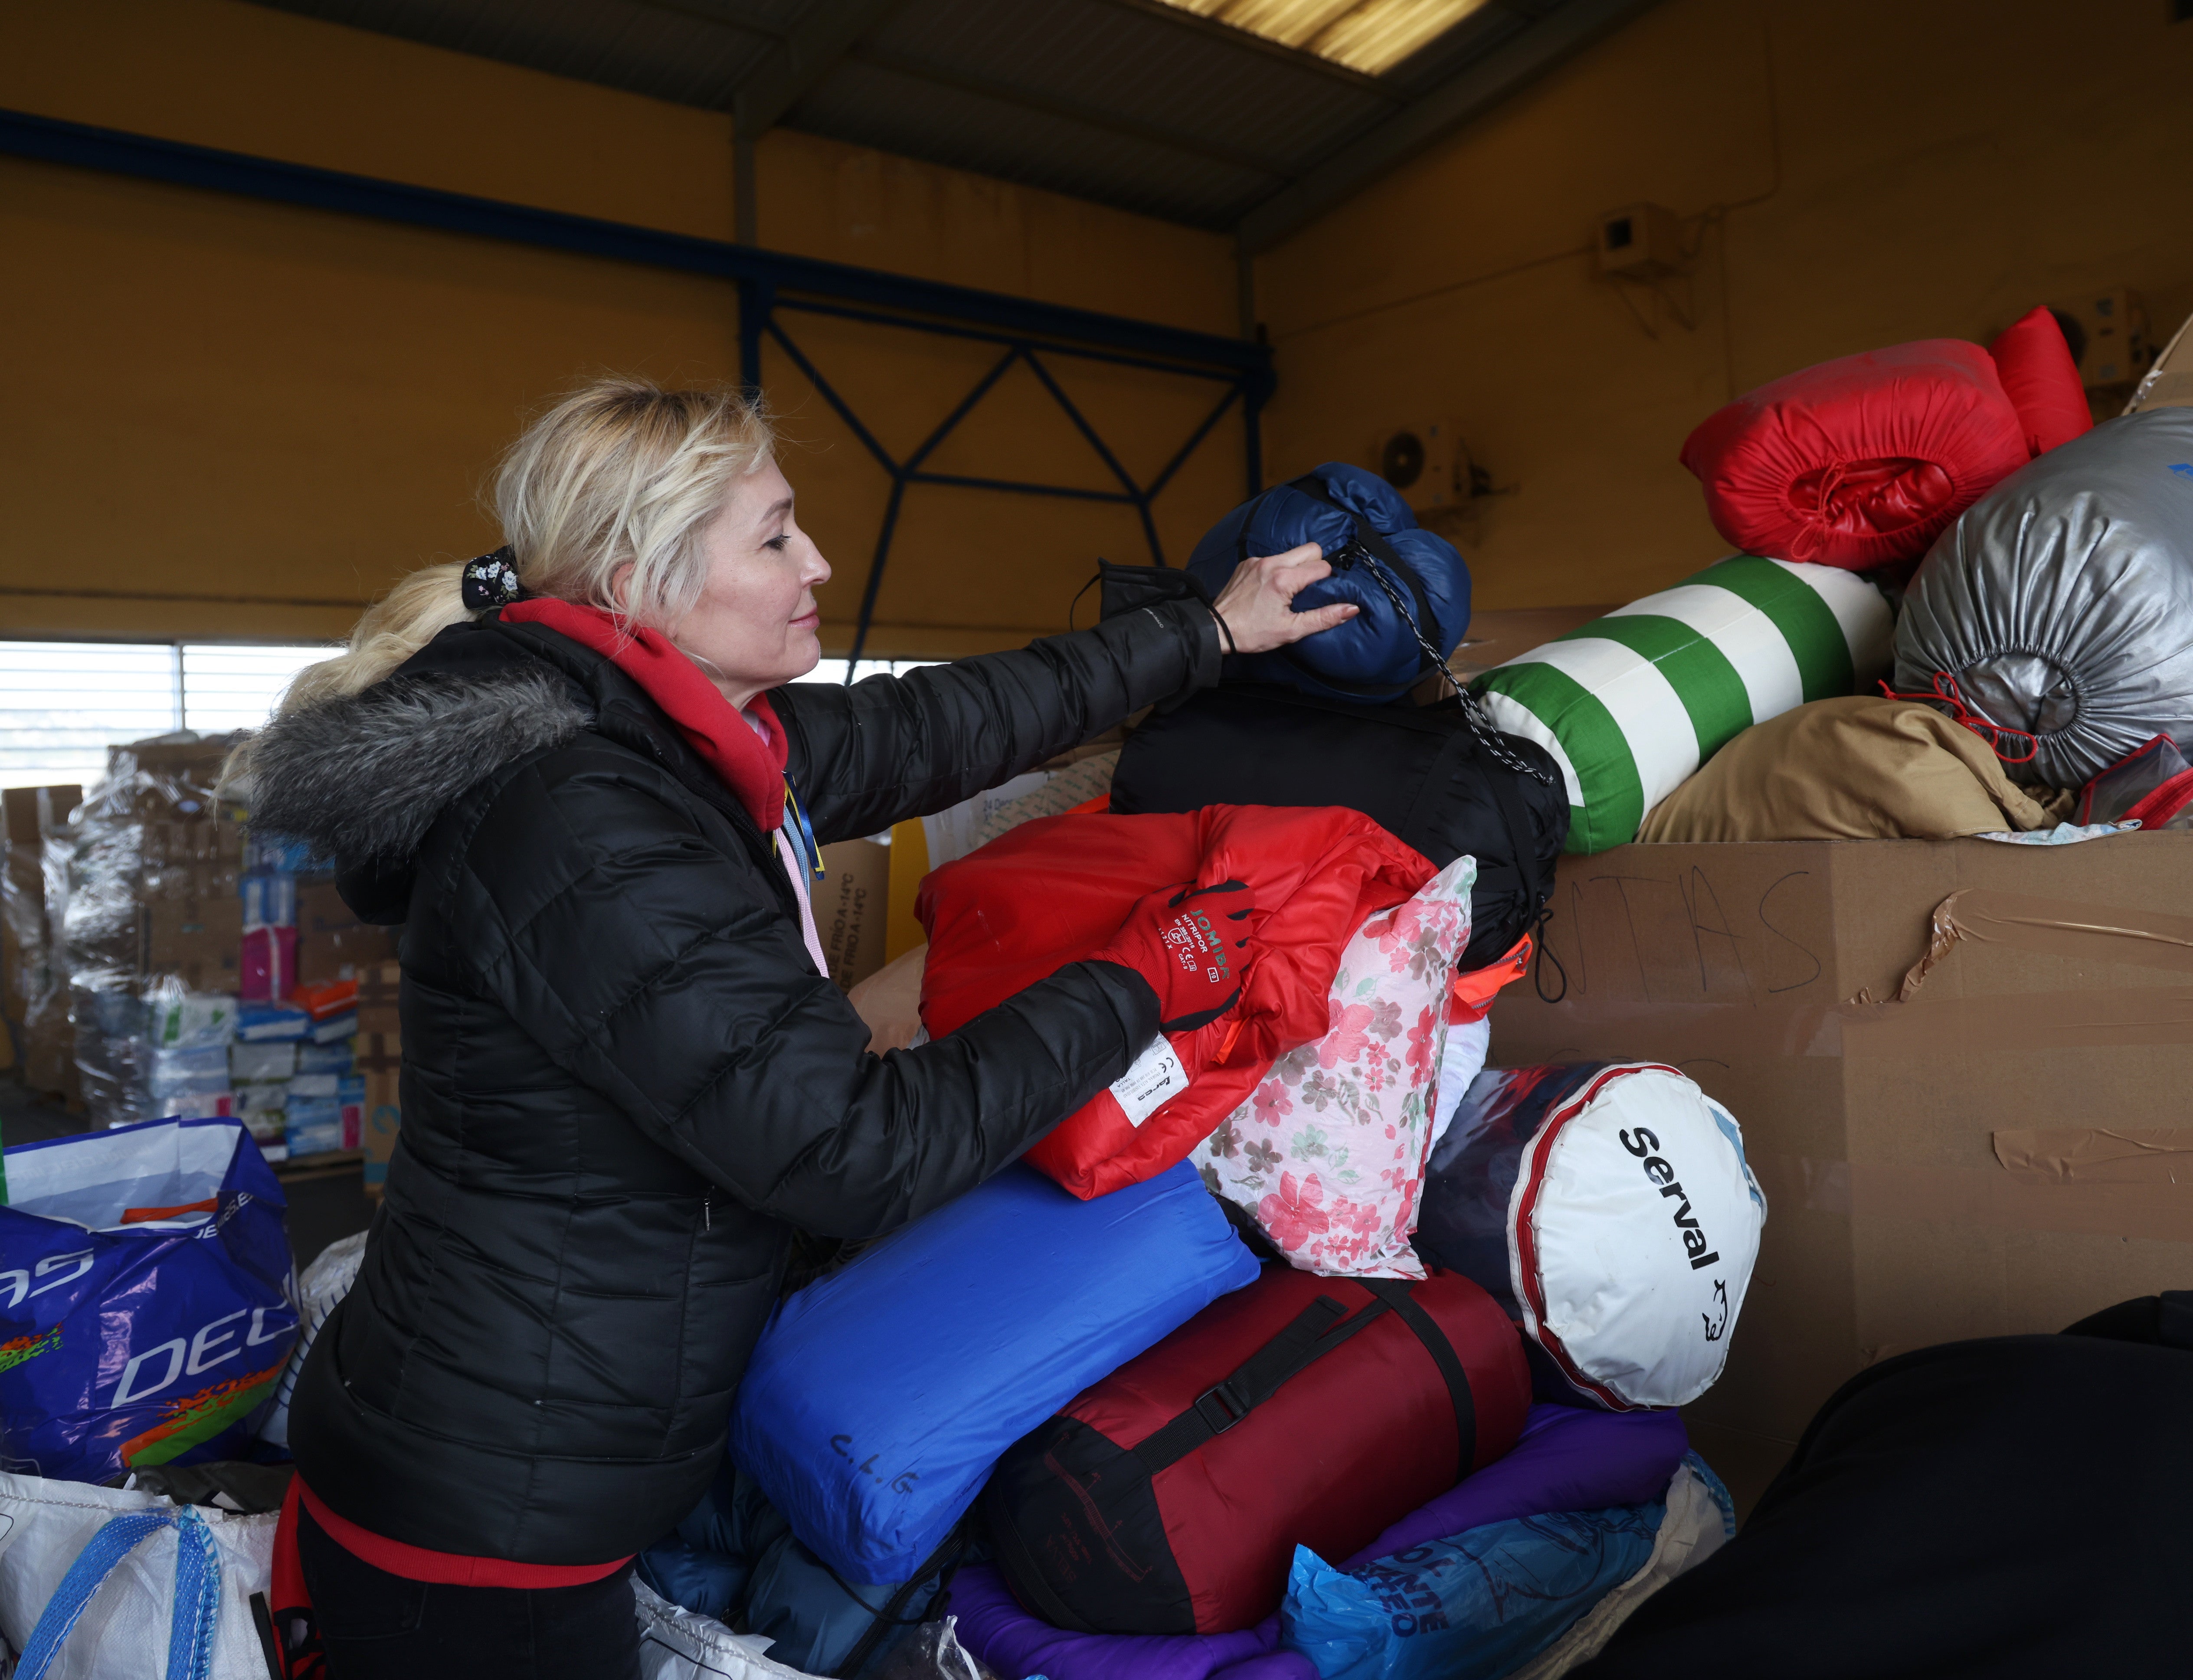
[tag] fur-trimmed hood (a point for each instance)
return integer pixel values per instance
(361, 777)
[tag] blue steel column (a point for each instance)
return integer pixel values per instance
(756, 299)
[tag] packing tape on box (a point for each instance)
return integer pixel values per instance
(2097, 932)
(1695, 1036)
(2097, 1154)
(1990, 1198)
(2083, 1017)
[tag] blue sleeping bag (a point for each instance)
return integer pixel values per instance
(878, 1398)
(1367, 533)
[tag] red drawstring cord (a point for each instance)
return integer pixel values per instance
(1945, 693)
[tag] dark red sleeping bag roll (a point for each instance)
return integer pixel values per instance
(1859, 461)
(1317, 1411)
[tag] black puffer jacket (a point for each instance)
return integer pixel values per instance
(624, 1082)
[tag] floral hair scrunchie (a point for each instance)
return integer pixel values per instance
(491, 581)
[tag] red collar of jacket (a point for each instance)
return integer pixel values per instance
(752, 768)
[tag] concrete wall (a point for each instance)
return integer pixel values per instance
(1853, 173)
(233, 418)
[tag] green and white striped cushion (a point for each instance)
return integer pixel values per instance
(1631, 704)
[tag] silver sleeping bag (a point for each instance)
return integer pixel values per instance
(2062, 601)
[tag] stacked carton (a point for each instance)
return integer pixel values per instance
(30, 990)
(147, 879)
(379, 1052)
(208, 970)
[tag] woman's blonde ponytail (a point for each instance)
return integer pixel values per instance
(619, 474)
(388, 632)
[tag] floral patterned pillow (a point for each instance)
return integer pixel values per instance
(1328, 1153)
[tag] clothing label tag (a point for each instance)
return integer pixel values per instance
(1155, 1080)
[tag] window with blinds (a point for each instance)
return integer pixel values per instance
(62, 704)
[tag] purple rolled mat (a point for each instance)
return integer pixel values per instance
(1568, 1458)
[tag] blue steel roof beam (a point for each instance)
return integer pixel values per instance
(1180, 460)
(271, 180)
(945, 427)
(1023, 487)
(829, 394)
(1082, 425)
(1051, 346)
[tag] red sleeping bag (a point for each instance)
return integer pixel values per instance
(2041, 380)
(1860, 461)
(1317, 1411)
(1051, 892)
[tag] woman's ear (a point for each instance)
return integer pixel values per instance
(621, 589)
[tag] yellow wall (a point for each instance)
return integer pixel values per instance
(1856, 173)
(233, 418)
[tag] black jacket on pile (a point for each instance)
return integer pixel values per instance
(624, 1083)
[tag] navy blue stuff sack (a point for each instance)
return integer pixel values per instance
(1413, 587)
(147, 1305)
(879, 1398)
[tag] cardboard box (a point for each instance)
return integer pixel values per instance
(850, 904)
(332, 942)
(381, 1064)
(379, 986)
(195, 938)
(50, 1048)
(1936, 1050)
(2169, 383)
(26, 934)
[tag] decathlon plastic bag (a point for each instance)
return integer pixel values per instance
(145, 1300)
(2055, 608)
(104, 1584)
(1480, 1605)
(1609, 1209)
(878, 1398)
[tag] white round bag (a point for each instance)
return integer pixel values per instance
(1618, 1198)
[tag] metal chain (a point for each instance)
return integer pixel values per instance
(1472, 710)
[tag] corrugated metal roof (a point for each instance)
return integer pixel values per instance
(1135, 103)
(690, 52)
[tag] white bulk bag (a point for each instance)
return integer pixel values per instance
(96, 1584)
(1610, 1207)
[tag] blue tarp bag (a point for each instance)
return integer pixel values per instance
(1473, 1608)
(1480, 1605)
(1412, 587)
(146, 1301)
(879, 1398)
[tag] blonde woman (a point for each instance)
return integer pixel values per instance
(573, 772)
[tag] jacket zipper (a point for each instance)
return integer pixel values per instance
(708, 1221)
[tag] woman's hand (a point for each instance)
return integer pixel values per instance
(1256, 604)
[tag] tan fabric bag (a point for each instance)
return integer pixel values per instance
(1859, 768)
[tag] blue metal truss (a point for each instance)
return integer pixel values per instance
(771, 284)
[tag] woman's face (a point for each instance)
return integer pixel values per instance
(756, 622)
